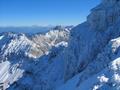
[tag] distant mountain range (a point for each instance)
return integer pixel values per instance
(31, 29)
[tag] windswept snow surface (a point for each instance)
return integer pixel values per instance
(1, 37)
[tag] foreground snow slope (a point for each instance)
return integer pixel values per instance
(103, 73)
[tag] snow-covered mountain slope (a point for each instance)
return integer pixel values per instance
(93, 50)
(102, 73)
(89, 61)
(45, 42)
(33, 47)
(23, 57)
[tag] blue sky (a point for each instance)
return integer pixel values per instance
(44, 12)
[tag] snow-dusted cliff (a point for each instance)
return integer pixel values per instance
(92, 56)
